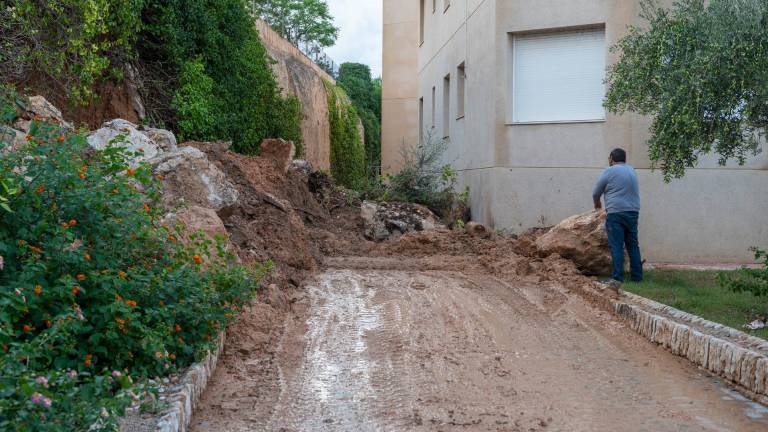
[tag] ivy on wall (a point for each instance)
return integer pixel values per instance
(347, 150)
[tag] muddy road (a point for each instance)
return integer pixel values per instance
(389, 350)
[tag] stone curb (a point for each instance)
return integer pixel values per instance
(742, 361)
(184, 396)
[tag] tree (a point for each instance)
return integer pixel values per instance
(355, 78)
(700, 70)
(308, 24)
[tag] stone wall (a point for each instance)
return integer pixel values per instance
(296, 74)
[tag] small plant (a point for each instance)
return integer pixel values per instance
(426, 179)
(748, 280)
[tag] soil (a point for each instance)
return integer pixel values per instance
(434, 330)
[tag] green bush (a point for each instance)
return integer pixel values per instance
(193, 102)
(93, 289)
(365, 93)
(425, 179)
(76, 42)
(748, 280)
(245, 102)
(347, 151)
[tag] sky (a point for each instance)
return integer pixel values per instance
(360, 24)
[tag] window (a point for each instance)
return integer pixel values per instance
(421, 21)
(434, 6)
(434, 103)
(446, 106)
(461, 77)
(446, 5)
(558, 77)
(421, 120)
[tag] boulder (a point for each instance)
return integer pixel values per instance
(301, 166)
(384, 220)
(127, 135)
(195, 219)
(11, 139)
(278, 150)
(164, 139)
(581, 239)
(38, 108)
(477, 230)
(190, 178)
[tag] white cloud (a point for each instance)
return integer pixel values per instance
(360, 35)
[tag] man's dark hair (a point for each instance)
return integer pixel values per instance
(619, 155)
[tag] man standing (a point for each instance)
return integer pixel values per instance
(622, 203)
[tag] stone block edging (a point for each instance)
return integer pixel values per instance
(742, 361)
(184, 395)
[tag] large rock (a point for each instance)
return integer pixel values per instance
(38, 108)
(125, 134)
(190, 178)
(164, 139)
(581, 239)
(278, 150)
(199, 219)
(11, 139)
(383, 220)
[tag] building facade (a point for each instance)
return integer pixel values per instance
(516, 86)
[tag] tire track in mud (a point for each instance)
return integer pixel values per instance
(388, 350)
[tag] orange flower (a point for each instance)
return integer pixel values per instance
(118, 298)
(72, 222)
(171, 238)
(130, 354)
(197, 259)
(87, 363)
(121, 274)
(114, 191)
(87, 256)
(119, 321)
(29, 137)
(131, 303)
(39, 189)
(38, 290)
(82, 176)
(177, 328)
(88, 356)
(159, 355)
(80, 277)
(159, 176)
(129, 172)
(36, 250)
(26, 328)
(146, 207)
(172, 356)
(75, 290)
(48, 323)
(60, 138)
(22, 242)
(162, 303)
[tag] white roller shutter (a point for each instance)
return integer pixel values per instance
(558, 77)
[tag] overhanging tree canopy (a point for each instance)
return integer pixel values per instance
(700, 70)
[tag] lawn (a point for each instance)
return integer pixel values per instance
(698, 292)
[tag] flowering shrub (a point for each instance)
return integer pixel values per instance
(93, 289)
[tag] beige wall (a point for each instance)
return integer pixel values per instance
(522, 176)
(399, 104)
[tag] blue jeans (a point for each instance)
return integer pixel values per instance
(622, 230)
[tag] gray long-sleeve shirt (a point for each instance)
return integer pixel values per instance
(620, 186)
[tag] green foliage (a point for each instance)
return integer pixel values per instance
(305, 23)
(748, 280)
(193, 102)
(74, 42)
(698, 292)
(10, 104)
(245, 103)
(93, 289)
(426, 179)
(355, 78)
(347, 152)
(701, 71)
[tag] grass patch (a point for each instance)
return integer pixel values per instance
(698, 292)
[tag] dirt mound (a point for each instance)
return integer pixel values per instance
(582, 239)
